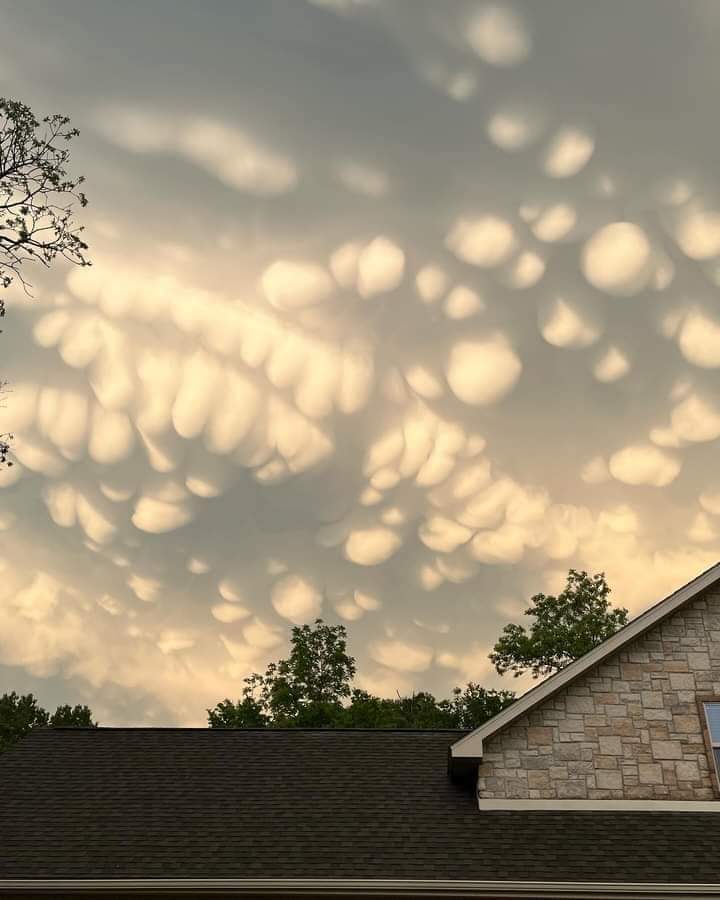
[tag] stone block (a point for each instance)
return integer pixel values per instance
(698, 661)
(682, 681)
(666, 749)
(537, 780)
(606, 697)
(687, 770)
(566, 752)
(652, 699)
(639, 792)
(623, 727)
(580, 767)
(653, 714)
(517, 788)
(572, 790)
(610, 745)
(686, 724)
(576, 704)
(675, 665)
(539, 735)
(607, 780)
(650, 774)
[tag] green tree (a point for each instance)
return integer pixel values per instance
(304, 691)
(20, 714)
(72, 717)
(565, 627)
(475, 705)
(313, 689)
(37, 199)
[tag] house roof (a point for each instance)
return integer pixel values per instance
(468, 750)
(322, 806)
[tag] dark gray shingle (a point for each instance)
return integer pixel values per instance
(193, 803)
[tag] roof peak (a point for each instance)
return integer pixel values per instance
(468, 749)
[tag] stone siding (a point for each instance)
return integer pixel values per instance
(630, 728)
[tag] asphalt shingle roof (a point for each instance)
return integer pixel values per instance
(193, 803)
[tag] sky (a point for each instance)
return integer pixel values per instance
(398, 310)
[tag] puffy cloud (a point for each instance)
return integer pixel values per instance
(555, 223)
(612, 365)
(290, 383)
(371, 546)
(481, 372)
(563, 324)
(695, 419)
(699, 339)
(499, 36)
(698, 233)
(644, 464)
(224, 151)
(297, 599)
(362, 179)
(402, 656)
(617, 259)
(485, 242)
(292, 285)
(462, 302)
(380, 267)
(568, 152)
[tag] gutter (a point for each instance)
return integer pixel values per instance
(333, 887)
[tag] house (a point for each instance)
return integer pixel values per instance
(600, 782)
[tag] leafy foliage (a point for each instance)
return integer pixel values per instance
(37, 198)
(313, 689)
(304, 691)
(566, 627)
(36, 194)
(20, 714)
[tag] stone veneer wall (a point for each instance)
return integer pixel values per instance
(630, 728)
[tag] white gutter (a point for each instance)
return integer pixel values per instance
(471, 746)
(521, 890)
(673, 806)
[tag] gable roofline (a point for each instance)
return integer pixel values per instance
(469, 749)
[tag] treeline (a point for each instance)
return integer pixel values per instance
(313, 687)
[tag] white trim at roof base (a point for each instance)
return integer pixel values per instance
(681, 806)
(291, 887)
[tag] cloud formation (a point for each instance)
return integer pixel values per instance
(395, 357)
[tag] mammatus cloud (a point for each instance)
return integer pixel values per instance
(395, 358)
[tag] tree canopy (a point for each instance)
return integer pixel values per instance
(37, 200)
(20, 714)
(565, 627)
(312, 688)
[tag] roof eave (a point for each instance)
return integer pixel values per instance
(378, 888)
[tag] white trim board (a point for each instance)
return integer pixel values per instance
(677, 806)
(470, 746)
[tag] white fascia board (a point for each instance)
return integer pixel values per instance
(676, 806)
(471, 744)
(492, 890)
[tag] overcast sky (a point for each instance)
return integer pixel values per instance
(398, 310)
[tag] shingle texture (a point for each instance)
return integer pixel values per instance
(139, 803)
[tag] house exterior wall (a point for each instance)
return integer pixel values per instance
(630, 728)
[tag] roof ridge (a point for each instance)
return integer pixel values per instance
(254, 730)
